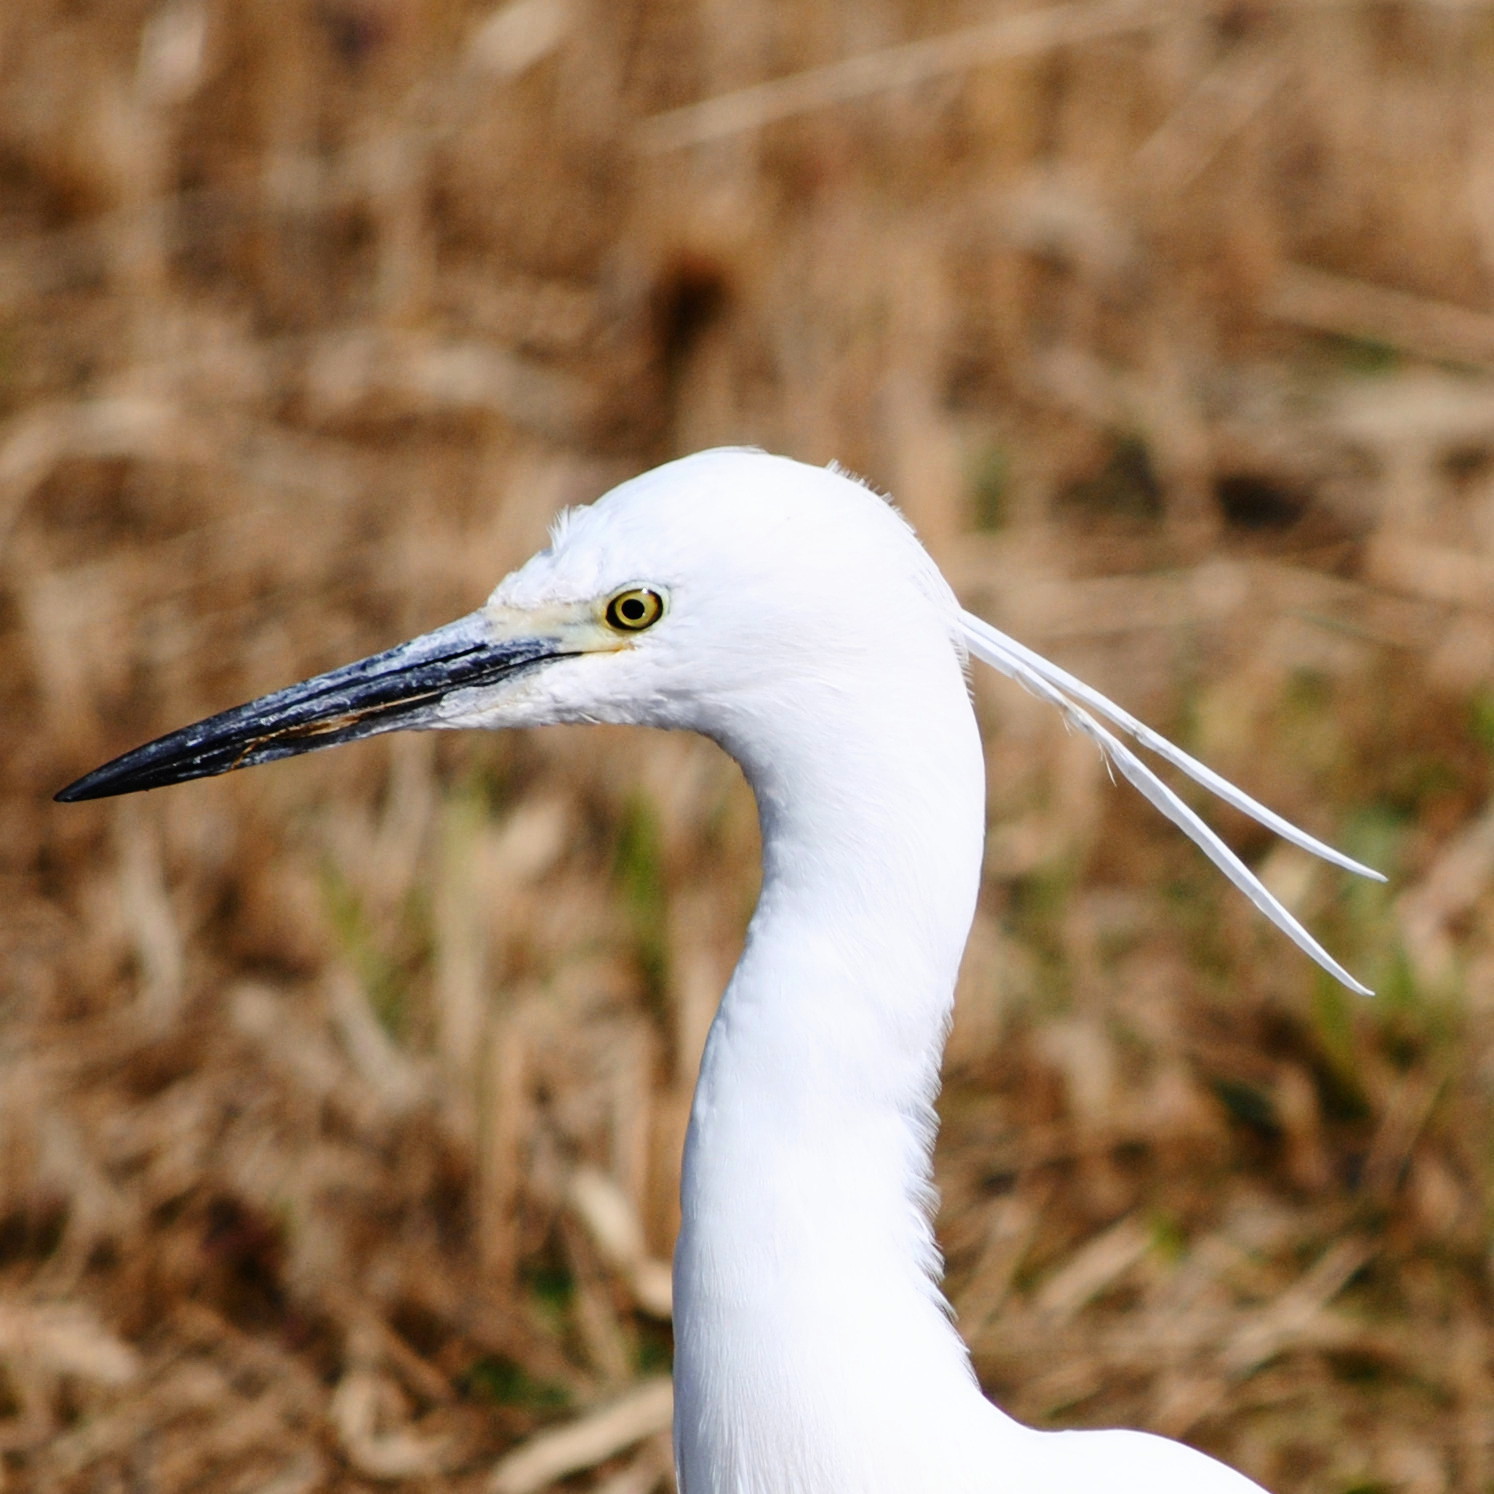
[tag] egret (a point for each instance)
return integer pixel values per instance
(790, 614)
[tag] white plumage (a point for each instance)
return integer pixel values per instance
(801, 626)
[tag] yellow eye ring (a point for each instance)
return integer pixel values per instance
(635, 609)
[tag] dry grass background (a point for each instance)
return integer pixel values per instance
(340, 1102)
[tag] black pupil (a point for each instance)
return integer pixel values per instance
(633, 609)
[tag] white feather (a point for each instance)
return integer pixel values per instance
(1054, 685)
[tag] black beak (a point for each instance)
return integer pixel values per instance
(399, 688)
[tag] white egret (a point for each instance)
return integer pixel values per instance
(788, 613)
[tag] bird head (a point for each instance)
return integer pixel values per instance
(709, 588)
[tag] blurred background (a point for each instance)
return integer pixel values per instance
(341, 1102)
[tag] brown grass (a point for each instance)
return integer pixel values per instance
(340, 1102)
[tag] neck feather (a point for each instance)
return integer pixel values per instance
(811, 1335)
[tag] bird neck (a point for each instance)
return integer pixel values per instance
(810, 1331)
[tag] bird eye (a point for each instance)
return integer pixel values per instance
(635, 609)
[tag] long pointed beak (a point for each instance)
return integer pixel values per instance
(401, 687)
